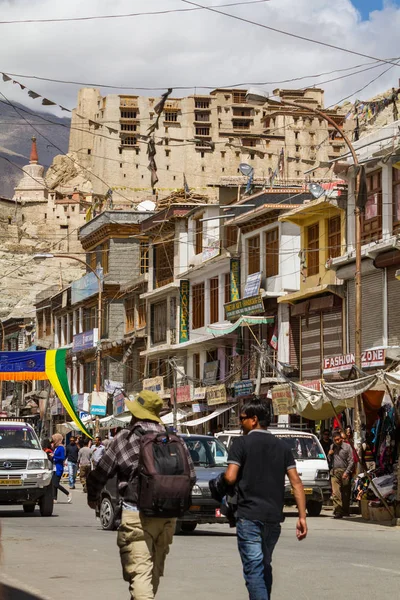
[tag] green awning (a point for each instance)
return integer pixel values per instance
(225, 328)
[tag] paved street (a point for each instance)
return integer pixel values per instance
(68, 555)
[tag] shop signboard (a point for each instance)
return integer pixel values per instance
(216, 394)
(118, 404)
(198, 408)
(282, 400)
(235, 279)
(182, 394)
(85, 341)
(199, 393)
(314, 384)
(252, 287)
(86, 286)
(344, 362)
(154, 384)
(98, 404)
(244, 306)
(184, 311)
(243, 388)
(210, 372)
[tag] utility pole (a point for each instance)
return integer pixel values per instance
(260, 369)
(175, 404)
(2, 349)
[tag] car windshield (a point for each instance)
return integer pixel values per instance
(207, 452)
(303, 447)
(18, 437)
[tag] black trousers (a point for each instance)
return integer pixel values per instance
(57, 486)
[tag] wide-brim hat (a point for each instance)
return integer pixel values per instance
(146, 406)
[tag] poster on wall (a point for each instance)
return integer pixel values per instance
(210, 372)
(235, 279)
(216, 394)
(98, 404)
(154, 384)
(184, 311)
(282, 400)
(182, 394)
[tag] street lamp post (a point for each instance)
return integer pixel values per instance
(261, 97)
(99, 315)
(2, 349)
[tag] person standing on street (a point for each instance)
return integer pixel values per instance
(341, 460)
(258, 463)
(97, 451)
(58, 462)
(71, 454)
(84, 463)
(326, 441)
(143, 541)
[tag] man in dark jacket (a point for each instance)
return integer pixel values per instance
(143, 541)
(71, 455)
(341, 462)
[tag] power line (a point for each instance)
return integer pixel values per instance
(124, 16)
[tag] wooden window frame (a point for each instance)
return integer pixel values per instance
(371, 225)
(159, 322)
(253, 255)
(198, 297)
(141, 313)
(196, 367)
(214, 300)
(227, 288)
(231, 233)
(312, 233)
(129, 306)
(272, 252)
(334, 226)
(198, 236)
(144, 257)
(164, 263)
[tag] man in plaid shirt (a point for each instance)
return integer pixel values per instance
(143, 541)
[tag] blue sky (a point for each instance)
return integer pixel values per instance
(366, 6)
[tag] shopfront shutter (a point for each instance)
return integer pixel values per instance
(372, 312)
(332, 332)
(393, 300)
(294, 342)
(311, 346)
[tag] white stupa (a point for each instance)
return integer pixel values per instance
(32, 185)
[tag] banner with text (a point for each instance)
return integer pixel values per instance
(184, 311)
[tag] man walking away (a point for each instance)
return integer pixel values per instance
(326, 441)
(341, 461)
(97, 451)
(84, 463)
(143, 541)
(71, 454)
(257, 464)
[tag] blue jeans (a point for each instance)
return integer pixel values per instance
(256, 543)
(72, 469)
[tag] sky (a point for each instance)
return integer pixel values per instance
(198, 48)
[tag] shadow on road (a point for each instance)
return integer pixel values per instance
(12, 593)
(203, 533)
(21, 514)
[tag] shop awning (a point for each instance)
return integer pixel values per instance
(218, 411)
(168, 419)
(225, 328)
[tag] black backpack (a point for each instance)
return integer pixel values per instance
(164, 486)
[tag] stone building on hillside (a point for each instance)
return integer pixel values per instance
(204, 137)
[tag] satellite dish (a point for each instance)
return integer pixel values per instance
(316, 190)
(246, 169)
(146, 205)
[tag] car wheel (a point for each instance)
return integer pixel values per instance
(314, 508)
(46, 502)
(29, 508)
(188, 527)
(107, 514)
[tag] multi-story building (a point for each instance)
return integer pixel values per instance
(205, 137)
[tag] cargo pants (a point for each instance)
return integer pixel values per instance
(143, 545)
(341, 492)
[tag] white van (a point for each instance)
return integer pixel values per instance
(311, 463)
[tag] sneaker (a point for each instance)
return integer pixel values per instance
(55, 501)
(69, 500)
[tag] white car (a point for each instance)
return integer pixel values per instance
(25, 471)
(311, 464)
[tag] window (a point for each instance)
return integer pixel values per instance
(203, 131)
(167, 152)
(144, 257)
(129, 141)
(242, 112)
(128, 114)
(196, 367)
(371, 227)
(202, 103)
(198, 236)
(171, 116)
(239, 97)
(334, 237)
(272, 252)
(129, 314)
(89, 151)
(231, 232)
(141, 313)
(313, 250)
(164, 263)
(241, 124)
(158, 331)
(227, 288)
(214, 312)
(396, 200)
(93, 260)
(128, 127)
(253, 255)
(198, 306)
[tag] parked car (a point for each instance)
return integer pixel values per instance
(210, 459)
(311, 463)
(25, 471)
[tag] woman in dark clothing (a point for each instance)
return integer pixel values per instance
(58, 461)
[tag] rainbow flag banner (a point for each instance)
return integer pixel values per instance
(42, 365)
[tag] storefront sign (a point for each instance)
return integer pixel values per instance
(118, 404)
(85, 341)
(86, 286)
(315, 384)
(252, 287)
(282, 400)
(155, 384)
(210, 372)
(198, 408)
(243, 388)
(344, 362)
(182, 394)
(244, 306)
(184, 311)
(216, 394)
(235, 279)
(98, 403)
(199, 394)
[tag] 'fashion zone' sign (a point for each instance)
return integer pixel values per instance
(344, 362)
